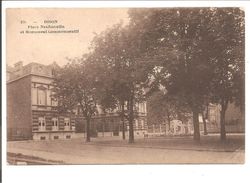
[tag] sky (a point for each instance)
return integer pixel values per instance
(47, 48)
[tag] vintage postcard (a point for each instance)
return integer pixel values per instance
(125, 86)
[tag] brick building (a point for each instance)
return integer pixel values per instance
(32, 114)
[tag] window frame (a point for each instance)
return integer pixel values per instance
(41, 124)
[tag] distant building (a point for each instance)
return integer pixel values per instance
(234, 122)
(110, 124)
(32, 114)
(234, 119)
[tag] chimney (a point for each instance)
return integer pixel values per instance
(18, 68)
(18, 65)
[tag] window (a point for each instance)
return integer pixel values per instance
(66, 124)
(144, 107)
(142, 123)
(68, 136)
(42, 138)
(54, 124)
(137, 107)
(41, 97)
(136, 123)
(140, 107)
(139, 123)
(41, 124)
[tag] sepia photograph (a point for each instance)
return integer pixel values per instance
(109, 86)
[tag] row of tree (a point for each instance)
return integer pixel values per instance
(194, 55)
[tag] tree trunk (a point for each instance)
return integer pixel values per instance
(224, 104)
(88, 130)
(196, 124)
(123, 122)
(207, 114)
(168, 116)
(222, 125)
(131, 120)
(103, 126)
(204, 124)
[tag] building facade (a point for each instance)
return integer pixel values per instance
(234, 122)
(32, 113)
(110, 124)
(234, 119)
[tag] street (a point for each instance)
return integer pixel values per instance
(144, 151)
